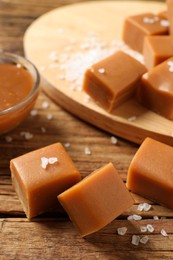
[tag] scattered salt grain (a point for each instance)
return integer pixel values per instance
(53, 56)
(131, 118)
(164, 23)
(87, 151)
(134, 217)
(143, 229)
(164, 233)
(101, 70)
(53, 160)
(34, 112)
(43, 129)
(49, 116)
(45, 104)
(155, 217)
(144, 239)
(86, 99)
(114, 140)
(150, 228)
(135, 240)
(45, 161)
(144, 207)
(122, 231)
(67, 145)
(18, 65)
(8, 139)
(27, 135)
(170, 65)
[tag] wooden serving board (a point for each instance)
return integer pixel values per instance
(56, 37)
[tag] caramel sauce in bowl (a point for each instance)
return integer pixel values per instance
(19, 88)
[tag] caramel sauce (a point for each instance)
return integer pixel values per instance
(15, 84)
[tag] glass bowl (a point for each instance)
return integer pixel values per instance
(13, 115)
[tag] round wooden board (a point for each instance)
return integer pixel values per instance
(57, 36)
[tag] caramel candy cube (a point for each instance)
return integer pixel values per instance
(156, 90)
(96, 200)
(112, 81)
(163, 15)
(170, 14)
(151, 172)
(39, 176)
(157, 49)
(136, 27)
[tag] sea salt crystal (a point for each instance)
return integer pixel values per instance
(27, 135)
(53, 160)
(144, 207)
(45, 104)
(87, 151)
(43, 129)
(45, 161)
(135, 240)
(144, 239)
(143, 229)
(164, 233)
(164, 23)
(150, 228)
(114, 140)
(86, 99)
(67, 145)
(134, 217)
(8, 139)
(42, 68)
(34, 112)
(101, 70)
(131, 118)
(122, 231)
(49, 116)
(155, 217)
(18, 65)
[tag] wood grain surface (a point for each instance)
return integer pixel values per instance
(52, 235)
(51, 34)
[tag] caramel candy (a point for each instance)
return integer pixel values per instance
(96, 200)
(157, 49)
(39, 176)
(151, 172)
(163, 14)
(156, 90)
(138, 26)
(170, 14)
(112, 81)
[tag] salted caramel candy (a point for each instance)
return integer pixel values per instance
(170, 14)
(163, 14)
(157, 49)
(156, 89)
(151, 172)
(97, 200)
(39, 176)
(136, 27)
(113, 80)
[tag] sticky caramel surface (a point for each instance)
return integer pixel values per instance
(96, 200)
(15, 84)
(156, 91)
(37, 188)
(113, 80)
(138, 26)
(157, 49)
(170, 14)
(151, 172)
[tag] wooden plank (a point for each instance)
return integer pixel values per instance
(50, 33)
(58, 238)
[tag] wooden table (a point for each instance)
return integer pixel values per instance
(52, 235)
